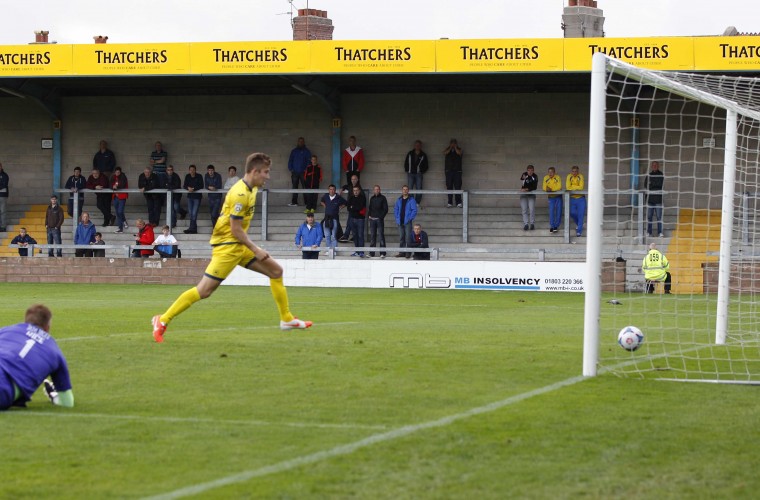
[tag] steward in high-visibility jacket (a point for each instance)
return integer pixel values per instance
(656, 268)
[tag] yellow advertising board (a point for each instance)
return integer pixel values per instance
(674, 54)
(473, 56)
(373, 56)
(35, 60)
(102, 59)
(733, 53)
(249, 57)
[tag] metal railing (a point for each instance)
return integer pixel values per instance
(637, 233)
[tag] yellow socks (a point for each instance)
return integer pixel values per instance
(184, 301)
(280, 295)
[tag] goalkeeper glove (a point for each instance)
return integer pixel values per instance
(52, 394)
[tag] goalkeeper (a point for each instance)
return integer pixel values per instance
(28, 355)
(656, 268)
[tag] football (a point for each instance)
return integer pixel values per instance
(630, 338)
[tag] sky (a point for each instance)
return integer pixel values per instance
(136, 21)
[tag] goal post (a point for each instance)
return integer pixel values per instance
(704, 132)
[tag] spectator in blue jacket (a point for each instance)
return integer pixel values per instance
(405, 211)
(300, 157)
(309, 237)
(84, 235)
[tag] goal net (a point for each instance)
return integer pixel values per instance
(703, 130)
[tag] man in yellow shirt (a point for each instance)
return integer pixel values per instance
(656, 268)
(575, 182)
(553, 183)
(232, 247)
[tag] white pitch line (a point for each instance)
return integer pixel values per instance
(184, 330)
(346, 449)
(261, 423)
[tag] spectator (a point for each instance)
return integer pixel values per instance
(84, 235)
(415, 165)
(4, 181)
(331, 223)
(118, 183)
(309, 237)
(357, 211)
(419, 239)
(158, 162)
(23, 240)
(378, 209)
(653, 183)
(213, 182)
(299, 159)
(405, 210)
(552, 184)
(42, 358)
(166, 244)
(349, 188)
(147, 182)
(529, 181)
(575, 182)
(656, 268)
(352, 159)
(232, 177)
(144, 236)
(312, 176)
(53, 223)
(75, 184)
(453, 171)
(97, 181)
(193, 183)
(173, 182)
(101, 252)
(104, 160)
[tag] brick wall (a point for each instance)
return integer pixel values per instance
(319, 26)
(742, 278)
(117, 271)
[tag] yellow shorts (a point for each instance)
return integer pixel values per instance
(224, 258)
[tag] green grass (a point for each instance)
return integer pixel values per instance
(228, 395)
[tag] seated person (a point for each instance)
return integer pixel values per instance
(419, 239)
(143, 237)
(98, 241)
(166, 244)
(23, 240)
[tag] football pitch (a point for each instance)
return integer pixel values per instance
(392, 394)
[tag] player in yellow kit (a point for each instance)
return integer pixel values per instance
(232, 247)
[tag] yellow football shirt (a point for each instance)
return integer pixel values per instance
(238, 204)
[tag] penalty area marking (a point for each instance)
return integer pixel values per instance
(346, 449)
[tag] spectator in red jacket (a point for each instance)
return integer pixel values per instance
(144, 236)
(353, 160)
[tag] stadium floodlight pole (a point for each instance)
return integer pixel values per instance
(726, 226)
(595, 216)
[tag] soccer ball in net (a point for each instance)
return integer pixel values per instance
(630, 338)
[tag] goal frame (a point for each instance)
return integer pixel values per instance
(601, 66)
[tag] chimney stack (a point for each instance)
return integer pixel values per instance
(41, 36)
(100, 39)
(312, 24)
(583, 19)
